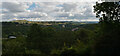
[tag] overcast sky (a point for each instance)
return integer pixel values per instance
(48, 11)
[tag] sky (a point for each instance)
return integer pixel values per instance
(48, 11)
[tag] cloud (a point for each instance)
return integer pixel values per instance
(14, 7)
(47, 7)
(45, 11)
(61, 14)
(69, 7)
(31, 15)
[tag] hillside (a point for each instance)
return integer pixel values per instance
(21, 27)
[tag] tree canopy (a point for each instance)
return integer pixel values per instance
(108, 11)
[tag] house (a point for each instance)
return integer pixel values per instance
(11, 37)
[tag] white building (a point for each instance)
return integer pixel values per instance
(63, 26)
(11, 37)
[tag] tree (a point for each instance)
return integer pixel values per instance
(14, 47)
(110, 10)
(40, 38)
(83, 35)
(34, 37)
(107, 44)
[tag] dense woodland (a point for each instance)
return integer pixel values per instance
(101, 39)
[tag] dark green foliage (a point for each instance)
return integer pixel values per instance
(14, 46)
(62, 37)
(83, 35)
(39, 38)
(110, 9)
(48, 40)
(68, 53)
(107, 43)
(9, 28)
